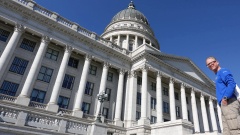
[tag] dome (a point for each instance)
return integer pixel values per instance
(130, 14)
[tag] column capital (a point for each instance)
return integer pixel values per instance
(192, 91)
(132, 74)
(172, 80)
(19, 28)
(45, 39)
(88, 57)
(106, 65)
(122, 71)
(183, 85)
(145, 68)
(68, 49)
(202, 95)
(159, 74)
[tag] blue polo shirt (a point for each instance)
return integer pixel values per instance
(225, 84)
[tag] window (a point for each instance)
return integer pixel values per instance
(138, 115)
(18, 66)
(9, 88)
(89, 88)
(105, 112)
(187, 100)
(92, 70)
(85, 107)
(108, 92)
(165, 107)
(177, 111)
(153, 103)
(4, 35)
(153, 86)
(63, 102)
(68, 81)
(28, 45)
(139, 80)
(153, 119)
(110, 76)
(45, 74)
(52, 54)
(139, 98)
(176, 95)
(38, 95)
(130, 47)
(73, 62)
(165, 91)
(188, 112)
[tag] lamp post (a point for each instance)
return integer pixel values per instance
(101, 97)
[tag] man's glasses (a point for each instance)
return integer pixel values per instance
(209, 64)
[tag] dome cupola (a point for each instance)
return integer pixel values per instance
(130, 29)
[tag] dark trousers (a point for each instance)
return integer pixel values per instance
(231, 117)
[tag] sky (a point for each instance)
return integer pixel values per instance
(194, 29)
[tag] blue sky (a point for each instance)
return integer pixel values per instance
(194, 29)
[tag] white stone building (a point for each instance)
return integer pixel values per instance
(51, 71)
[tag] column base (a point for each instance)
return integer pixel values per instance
(23, 101)
(98, 129)
(177, 127)
(144, 121)
(52, 108)
(77, 113)
(118, 123)
(129, 123)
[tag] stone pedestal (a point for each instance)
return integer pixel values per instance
(177, 127)
(22, 101)
(118, 123)
(52, 107)
(77, 113)
(98, 129)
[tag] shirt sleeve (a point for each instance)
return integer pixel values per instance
(230, 84)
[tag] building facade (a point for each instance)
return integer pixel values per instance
(52, 72)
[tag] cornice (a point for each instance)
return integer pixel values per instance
(87, 38)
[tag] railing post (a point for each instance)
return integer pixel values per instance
(62, 126)
(21, 119)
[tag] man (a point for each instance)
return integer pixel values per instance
(225, 88)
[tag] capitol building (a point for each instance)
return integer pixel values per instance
(58, 78)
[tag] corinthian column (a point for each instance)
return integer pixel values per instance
(9, 49)
(131, 101)
(213, 117)
(204, 114)
(78, 101)
(52, 105)
(194, 111)
(144, 96)
(159, 98)
(23, 98)
(119, 99)
(184, 102)
(102, 83)
(172, 100)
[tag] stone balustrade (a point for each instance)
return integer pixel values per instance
(37, 105)
(54, 16)
(7, 98)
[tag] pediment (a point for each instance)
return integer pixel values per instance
(184, 65)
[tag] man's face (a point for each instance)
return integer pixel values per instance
(212, 64)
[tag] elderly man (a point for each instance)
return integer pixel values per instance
(225, 88)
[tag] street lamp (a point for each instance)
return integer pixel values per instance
(101, 97)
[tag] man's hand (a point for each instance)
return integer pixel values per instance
(224, 102)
